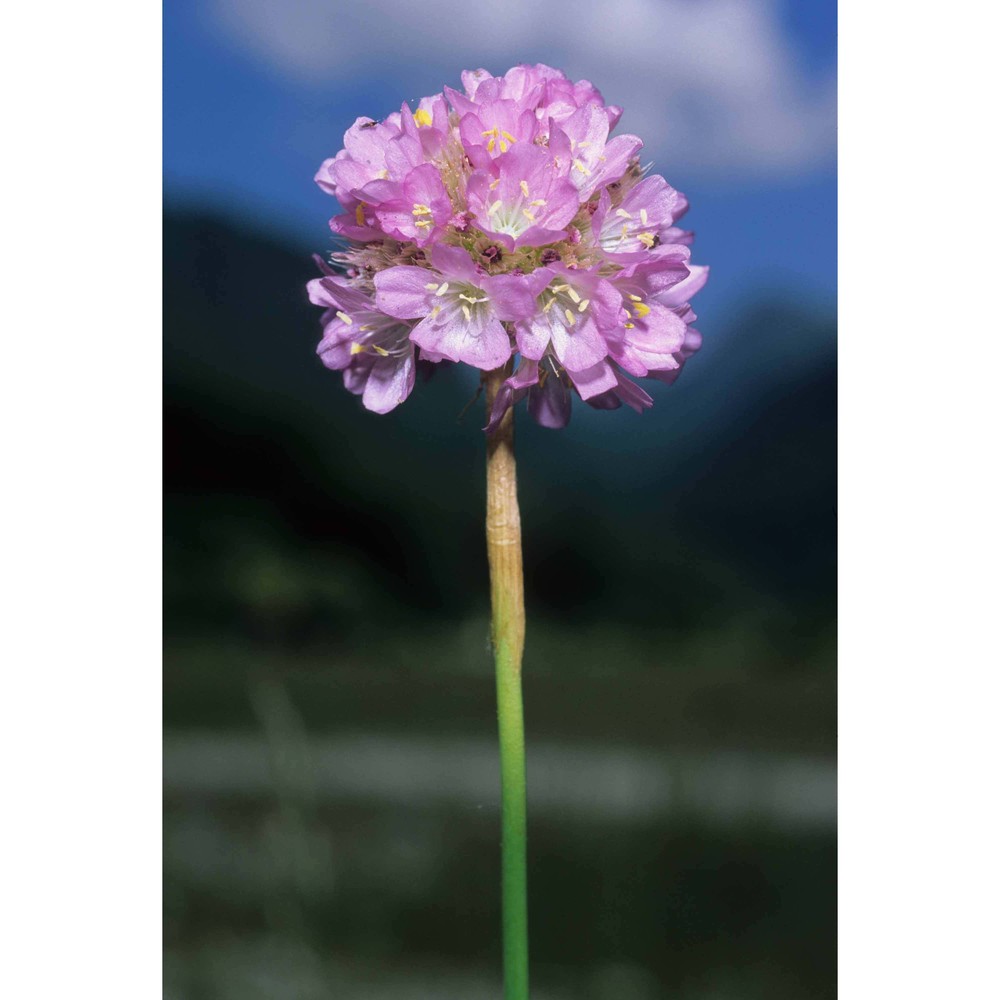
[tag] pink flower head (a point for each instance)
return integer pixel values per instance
(504, 221)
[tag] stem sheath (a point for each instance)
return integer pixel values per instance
(503, 543)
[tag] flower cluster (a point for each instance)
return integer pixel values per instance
(505, 222)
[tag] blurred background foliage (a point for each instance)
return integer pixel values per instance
(331, 824)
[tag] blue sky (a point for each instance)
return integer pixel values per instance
(734, 99)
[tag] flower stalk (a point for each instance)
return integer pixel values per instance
(503, 543)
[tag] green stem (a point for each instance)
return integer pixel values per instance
(503, 542)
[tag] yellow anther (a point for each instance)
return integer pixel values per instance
(635, 298)
(419, 209)
(435, 311)
(573, 294)
(364, 329)
(630, 326)
(624, 231)
(642, 310)
(570, 318)
(359, 215)
(583, 145)
(524, 189)
(508, 137)
(539, 201)
(442, 290)
(494, 134)
(493, 186)
(559, 288)
(344, 318)
(548, 305)
(644, 216)
(648, 240)
(422, 117)
(431, 285)
(494, 208)
(382, 174)
(466, 311)
(424, 224)
(357, 348)
(578, 165)
(622, 214)
(583, 305)
(528, 215)
(380, 350)
(469, 298)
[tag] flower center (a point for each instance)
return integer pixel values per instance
(567, 302)
(458, 295)
(517, 216)
(632, 227)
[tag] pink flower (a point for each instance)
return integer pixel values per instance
(504, 220)
(462, 310)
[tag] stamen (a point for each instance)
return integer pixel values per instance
(583, 305)
(357, 348)
(570, 318)
(635, 298)
(539, 201)
(578, 165)
(528, 215)
(642, 310)
(422, 117)
(431, 285)
(494, 208)
(622, 214)
(548, 305)
(630, 326)
(419, 209)
(380, 350)
(359, 214)
(644, 216)
(424, 224)
(344, 318)
(508, 137)
(524, 189)
(573, 294)
(442, 289)
(467, 311)
(648, 240)
(559, 288)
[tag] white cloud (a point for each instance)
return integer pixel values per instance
(709, 84)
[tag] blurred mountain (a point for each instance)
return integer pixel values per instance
(282, 493)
